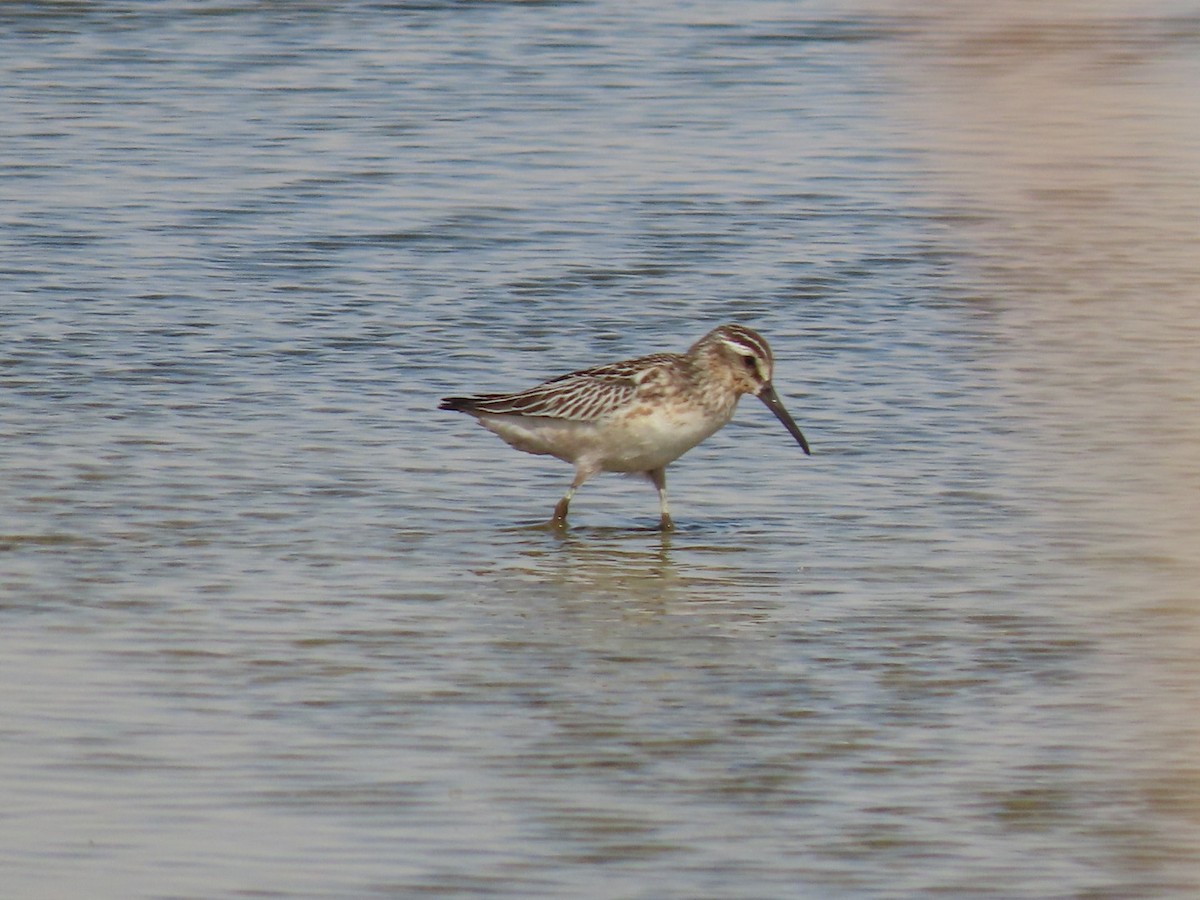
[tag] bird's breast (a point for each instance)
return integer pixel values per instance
(649, 435)
(645, 435)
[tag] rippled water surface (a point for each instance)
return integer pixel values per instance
(272, 625)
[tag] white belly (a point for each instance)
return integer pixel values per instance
(636, 441)
(639, 444)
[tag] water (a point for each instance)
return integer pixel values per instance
(274, 626)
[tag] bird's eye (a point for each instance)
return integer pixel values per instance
(749, 361)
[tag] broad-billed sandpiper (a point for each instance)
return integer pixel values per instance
(638, 415)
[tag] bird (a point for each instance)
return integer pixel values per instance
(635, 416)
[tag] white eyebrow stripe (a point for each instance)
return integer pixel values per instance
(739, 348)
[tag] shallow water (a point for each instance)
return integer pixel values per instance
(271, 624)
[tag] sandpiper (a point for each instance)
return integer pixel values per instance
(638, 415)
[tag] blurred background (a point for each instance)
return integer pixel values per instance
(271, 624)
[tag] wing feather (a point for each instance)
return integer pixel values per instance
(582, 396)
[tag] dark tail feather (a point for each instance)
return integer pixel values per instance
(458, 404)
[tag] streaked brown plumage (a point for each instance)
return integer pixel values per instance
(638, 415)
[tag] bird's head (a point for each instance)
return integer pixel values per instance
(747, 360)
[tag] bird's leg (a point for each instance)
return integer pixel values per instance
(559, 519)
(659, 477)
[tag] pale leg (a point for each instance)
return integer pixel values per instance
(659, 477)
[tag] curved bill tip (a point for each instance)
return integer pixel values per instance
(768, 396)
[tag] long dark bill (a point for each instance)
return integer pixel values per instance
(768, 396)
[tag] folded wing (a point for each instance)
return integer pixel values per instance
(582, 396)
